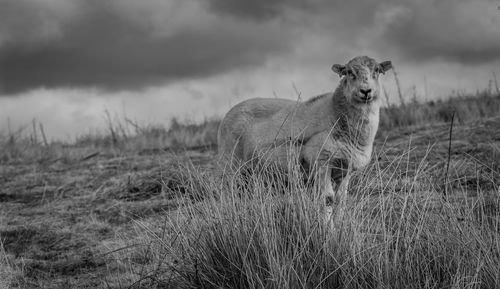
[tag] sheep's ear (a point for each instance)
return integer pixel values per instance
(385, 66)
(339, 69)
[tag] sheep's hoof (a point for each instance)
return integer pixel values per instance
(329, 213)
(329, 200)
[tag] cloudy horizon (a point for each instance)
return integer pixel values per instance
(64, 62)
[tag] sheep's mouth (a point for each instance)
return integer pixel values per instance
(365, 99)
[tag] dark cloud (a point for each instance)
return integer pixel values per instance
(104, 49)
(24, 22)
(125, 65)
(455, 31)
(268, 9)
(259, 9)
(120, 44)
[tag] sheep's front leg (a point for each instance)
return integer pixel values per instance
(322, 177)
(326, 189)
(325, 157)
(333, 191)
(340, 176)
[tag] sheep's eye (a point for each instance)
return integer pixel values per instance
(378, 70)
(351, 74)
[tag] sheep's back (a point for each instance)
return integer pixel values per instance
(237, 130)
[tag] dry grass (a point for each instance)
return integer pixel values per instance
(399, 231)
(404, 235)
(126, 135)
(141, 207)
(466, 108)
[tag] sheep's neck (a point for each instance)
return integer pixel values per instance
(355, 124)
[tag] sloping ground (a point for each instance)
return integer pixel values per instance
(473, 152)
(56, 218)
(64, 224)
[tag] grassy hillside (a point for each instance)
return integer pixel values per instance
(125, 135)
(140, 207)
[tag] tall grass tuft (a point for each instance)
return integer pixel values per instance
(257, 231)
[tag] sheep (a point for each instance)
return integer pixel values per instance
(333, 132)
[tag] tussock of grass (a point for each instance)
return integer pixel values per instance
(267, 235)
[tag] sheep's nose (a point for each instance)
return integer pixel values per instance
(365, 91)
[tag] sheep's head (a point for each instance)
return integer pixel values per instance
(360, 82)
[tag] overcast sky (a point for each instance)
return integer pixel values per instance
(64, 62)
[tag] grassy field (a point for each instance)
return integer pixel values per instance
(142, 207)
